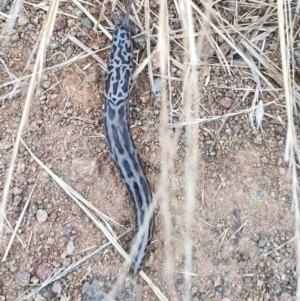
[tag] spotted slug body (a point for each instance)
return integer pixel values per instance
(118, 136)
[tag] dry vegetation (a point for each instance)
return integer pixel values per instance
(214, 115)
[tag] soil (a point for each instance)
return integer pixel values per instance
(242, 227)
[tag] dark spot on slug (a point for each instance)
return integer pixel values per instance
(111, 113)
(117, 139)
(145, 189)
(127, 168)
(139, 200)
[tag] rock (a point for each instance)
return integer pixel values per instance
(255, 194)
(280, 130)
(84, 169)
(23, 278)
(245, 256)
(56, 287)
(262, 242)
(70, 248)
(139, 41)
(285, 297)
(3, 54)
(43, 272)
(46, 84)
(257, 141)
(54, 44)
(15, 37)
(23, 20)
(69, 51)
(61, 22)
(41, 216)
(157, 85)
(179, 284)
(226, 291)
(87, 23)
(16, 190)
(247, 280)
(225, 102)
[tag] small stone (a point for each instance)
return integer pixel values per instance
(257, 141)
(262, 242)
(54, 44)
(61, 22)
(87, 23)
(16, 190)
(23, 278)
(69, 51)
(226, 291)
(46, 84)
(41, 216)
(157, 85)
(23, 20)
(56, 287)
(219, 289)
(255, 237)
(53, 216)
(52, 104)
(280, 130)
(247, 280)
(140, 41)
(145, 98)
(255, 194)
(70, 247)
(43, 272)
(15, 37)
(3, 54)
(277, 288)
(84, 169)
(225, 102)
(293, 281)
(259, 282)
(245, 256)
(179, 284)
(17, 200)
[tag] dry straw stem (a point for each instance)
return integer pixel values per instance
(46, 34)
(84, 204)
(292, 148)
(191, 97)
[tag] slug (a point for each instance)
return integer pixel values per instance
(119, 139)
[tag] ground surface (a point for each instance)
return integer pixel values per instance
(243, 194)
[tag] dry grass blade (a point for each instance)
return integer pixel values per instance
(292, 148)
(47, 32)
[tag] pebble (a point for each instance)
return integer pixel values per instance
(46, 84)
(3, 54)
(280, 130)
(23, 20)
(23, 278)
(157, 85)
(69, 51)
(70, 248)
(257, 141)
(219, 289)
(15, 37)
(262, 242)
(226, 291)
(87, 23)
(179, 284)
(247, 280)
(255, 194)
(41, 216)
(54, 44)
(84, 169)
(225, 102)
(16, 190)
(61, 22)
(56, 287)
(245, 256)
(139, 41)
(43, 272)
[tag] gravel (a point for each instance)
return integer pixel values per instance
(23, 278)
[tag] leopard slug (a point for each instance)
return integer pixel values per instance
(118, 136)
